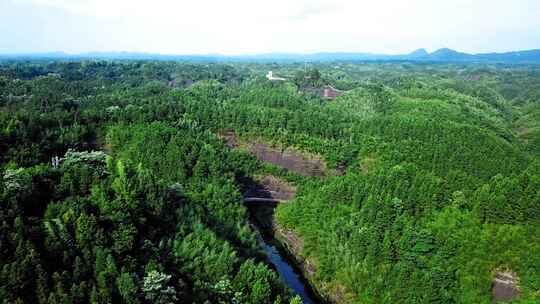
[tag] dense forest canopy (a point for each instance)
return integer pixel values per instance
(116, 185)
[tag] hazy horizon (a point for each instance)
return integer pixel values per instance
(250, 54)
(242, 27)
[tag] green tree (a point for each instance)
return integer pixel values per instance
(128, 287)
(156, 290)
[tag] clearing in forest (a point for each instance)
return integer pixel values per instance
(303, 163)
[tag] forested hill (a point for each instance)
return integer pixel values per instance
(439, 193)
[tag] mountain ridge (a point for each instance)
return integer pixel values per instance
(440, 55)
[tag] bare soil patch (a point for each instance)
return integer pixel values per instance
(289, 159)
(230, 138)
(269, 186)
(303, 163)
(505, 287)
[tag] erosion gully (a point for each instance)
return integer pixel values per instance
(291, 275)
(270, 192)
(263, 194)
(281, 259)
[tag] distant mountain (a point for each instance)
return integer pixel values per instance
(521, 56)
(441, 55)
(446, 54)
(420, 53)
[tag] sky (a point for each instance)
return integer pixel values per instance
(234, 27)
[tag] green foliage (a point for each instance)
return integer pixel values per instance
(256, 283)
(156, 290)
(128, 287)
(440, 187)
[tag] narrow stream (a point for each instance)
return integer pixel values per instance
(280, 258)
(289, 275)
(259, 196)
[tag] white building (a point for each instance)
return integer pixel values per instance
(271, 77)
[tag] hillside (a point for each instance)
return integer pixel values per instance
(426, 188)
